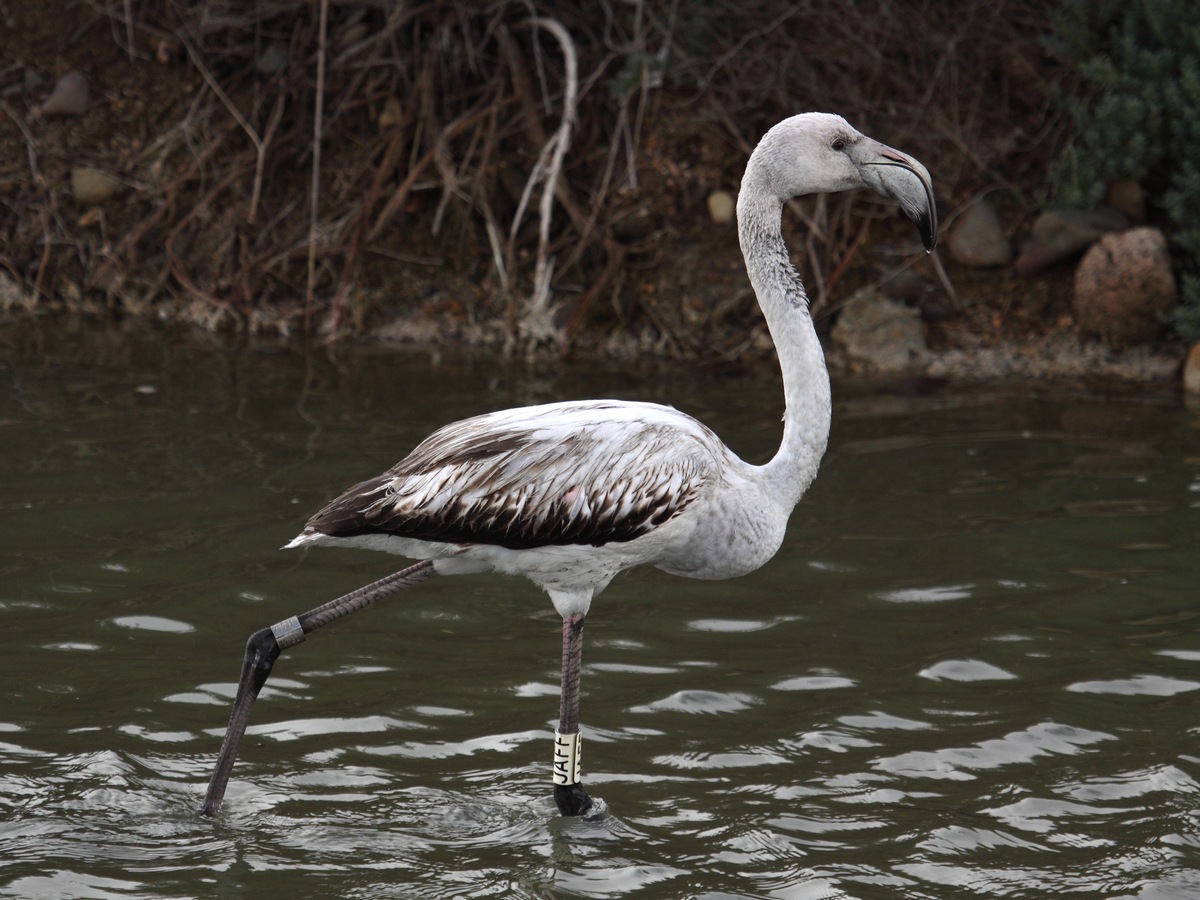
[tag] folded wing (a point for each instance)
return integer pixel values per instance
(583, 473)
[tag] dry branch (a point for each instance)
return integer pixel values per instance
(654, 100)
(315, 192)
(536, 319)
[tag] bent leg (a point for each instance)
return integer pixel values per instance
(264, 648)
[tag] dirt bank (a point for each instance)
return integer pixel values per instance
(429, 225)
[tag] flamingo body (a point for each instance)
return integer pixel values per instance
(569, 494)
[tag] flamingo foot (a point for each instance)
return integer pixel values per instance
(572, 799)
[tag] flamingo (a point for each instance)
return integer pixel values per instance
(569, 494)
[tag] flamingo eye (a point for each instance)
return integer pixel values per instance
(839, 145)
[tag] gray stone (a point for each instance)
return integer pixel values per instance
(1123, 285)
(13, 295)
(978, 238)
(272, 59)
(69, 97)
(1058, 234)
(91, 187)
(876, 334)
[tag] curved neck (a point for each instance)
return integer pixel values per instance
(785, 306)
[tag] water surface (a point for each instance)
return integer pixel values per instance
(971, 671)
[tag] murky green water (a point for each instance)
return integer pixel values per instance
(972, 671)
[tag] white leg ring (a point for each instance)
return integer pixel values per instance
(566, 758)
(288, 633)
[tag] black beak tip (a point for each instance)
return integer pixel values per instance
(927, 226)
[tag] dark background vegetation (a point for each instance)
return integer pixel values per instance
(521, 171)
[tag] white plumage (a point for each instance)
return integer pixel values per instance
(567, 494)
(570, 494)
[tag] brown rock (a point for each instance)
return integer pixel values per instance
(1191, 371)
(1123, 286)
(392, 113)
(978, 238)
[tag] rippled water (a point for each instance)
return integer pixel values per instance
(972, 670)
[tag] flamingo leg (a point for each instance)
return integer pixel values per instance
(264, 648)
(569, 795)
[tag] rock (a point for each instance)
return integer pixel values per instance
(1123, 286)
(350, 35)
(92, 187)
(721, 207)
(880, 335)
(418, 328)
(978, 238)
(166, 50)
(392, 113)
(907, 286)
(69, 97)
(1060, 233)
(12, 295)
(1127, 197)
(272, 59)
(911, 289)
(1191, 371)
(633, 225)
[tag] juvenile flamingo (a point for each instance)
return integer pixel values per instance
(569, 494)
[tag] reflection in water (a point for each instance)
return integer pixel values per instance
(971, 671)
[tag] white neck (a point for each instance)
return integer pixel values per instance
(785, 307)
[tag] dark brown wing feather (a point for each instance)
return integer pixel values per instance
(560, 474)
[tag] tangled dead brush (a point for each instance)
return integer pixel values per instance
(533, 153)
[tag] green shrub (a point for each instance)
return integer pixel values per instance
(1137, 115)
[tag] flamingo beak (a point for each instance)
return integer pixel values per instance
(899, 177)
